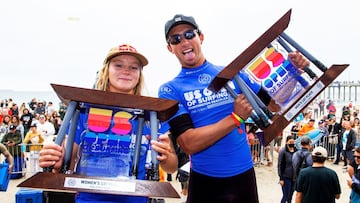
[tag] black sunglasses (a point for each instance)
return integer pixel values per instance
(176, 39)
(357, 157)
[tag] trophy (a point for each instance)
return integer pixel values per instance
(113, 130)
(265, 62)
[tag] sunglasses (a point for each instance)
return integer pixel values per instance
(176, 39)
(357, 157)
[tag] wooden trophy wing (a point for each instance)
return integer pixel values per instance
(252, 58)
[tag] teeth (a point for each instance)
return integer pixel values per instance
(187, 51)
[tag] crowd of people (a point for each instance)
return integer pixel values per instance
(26, 128)
(335, 131)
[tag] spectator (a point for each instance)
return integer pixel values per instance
(307, 127)
(301, 158)
(324, 130)
(35, 139)
(33, 104)
(295, 129)
(354, 173)
(8, 156)
(347, 141)
(26, 119)
(13, 140)
(46, 128)
(50, 108)
(40, 108)
(56, 121)
(322, 107)
(14, 110)
(317, 183)
(62, 110)
(15, 120)
(285, 169)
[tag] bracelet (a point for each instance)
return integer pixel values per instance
(237, 120)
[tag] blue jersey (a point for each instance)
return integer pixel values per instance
(230, 155)
(106, 138)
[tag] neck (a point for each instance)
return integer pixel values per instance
(317, 164)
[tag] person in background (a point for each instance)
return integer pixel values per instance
(45, 127)
(302, 158)
(35, 139)
(347, 142)
(50, 108)
(121, 73)
(40, 107)
(285, 169)
(21, 109)
(26, 119)
(325, 132)
(307, 127)
(317, 183)
(15, 120)
(56, 121)
(14, 110)
(295, 129)
(8, 156)
(62, 110)
(12, 141)
(278, 140)
(4, 128)
(203, 130)
(354, 174)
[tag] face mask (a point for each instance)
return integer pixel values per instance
(291, 145)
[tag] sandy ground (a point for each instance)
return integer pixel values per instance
(267, 180)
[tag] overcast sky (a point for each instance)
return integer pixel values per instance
(65, 42)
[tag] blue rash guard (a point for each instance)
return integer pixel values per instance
(230, 155)
(108, 154)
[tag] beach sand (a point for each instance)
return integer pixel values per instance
(267, 180)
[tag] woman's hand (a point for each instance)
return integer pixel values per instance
(163, 146)
(51, 155)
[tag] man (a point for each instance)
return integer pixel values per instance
(9, 158)
(309, 126)
(347, 141)
(317, 183)
(302, 158)
(324, 130)
(12, 139)
(209, 126)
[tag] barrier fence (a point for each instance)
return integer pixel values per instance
(26, 159)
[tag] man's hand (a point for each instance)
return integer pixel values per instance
(298, 60)
(242, 107)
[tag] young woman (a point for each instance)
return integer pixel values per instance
(121, 73)
(285, 169)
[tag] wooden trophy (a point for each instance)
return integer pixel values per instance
(108, 116)
(265, 62)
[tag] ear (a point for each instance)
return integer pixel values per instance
(201, 36)
(170, 48)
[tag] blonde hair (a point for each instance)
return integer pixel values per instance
(103, 82)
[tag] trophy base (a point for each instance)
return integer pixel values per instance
(77, 183)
